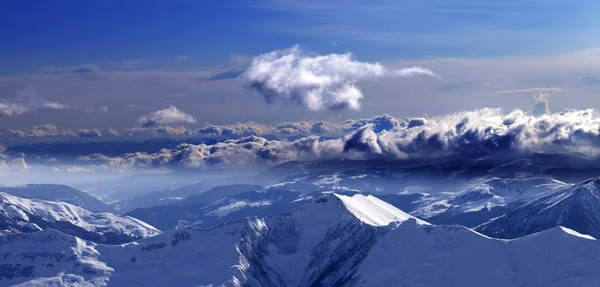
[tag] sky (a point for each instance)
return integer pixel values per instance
(82, 66)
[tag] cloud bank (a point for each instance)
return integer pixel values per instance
(470, 136)
(315, 82)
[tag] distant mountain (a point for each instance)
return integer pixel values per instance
(117, 192)
(336, 240)
(483, 201)
(216, 207)
(576, 207)
(385, 180)
(176, 195)
(29, 215)
(58, 192)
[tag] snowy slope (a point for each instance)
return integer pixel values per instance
(50, 258)
(27, 215)
(335, 241)
(238, 206)
(576, 207)
(58, 192)
(483, 201)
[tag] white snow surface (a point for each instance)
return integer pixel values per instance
(337, 240)
(18, 209)
(374, 211)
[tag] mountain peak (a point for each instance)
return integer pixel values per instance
(374, 211)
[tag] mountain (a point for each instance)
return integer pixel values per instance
(175, 195)
(216, 207)
(58, 192)
(30, 215)
(576, 207)
(483, 201)
(336, 240)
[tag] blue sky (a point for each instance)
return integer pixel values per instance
(112, 62)
(56, 33)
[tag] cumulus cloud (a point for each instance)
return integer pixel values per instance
(154, 131)
(378, 123)
(307, 128)
(541, 106)
(236, 130)
(50, 131)
(318, 83)
(28, 100)
(470, 136)
(235, 152)
(168, 116)
(11, 109)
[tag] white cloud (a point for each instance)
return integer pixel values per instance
(154, 131)
(312, 81)
(50, 131)
(9, 109)
(530, 90)
(55, 106)
(102, 109)
(181, 59)
(235, 130)
(168, 116)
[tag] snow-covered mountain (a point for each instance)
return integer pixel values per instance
(337, 240)
(58, 192)
(30, 215)
(576, 207)
(484, 200)
(205, 210)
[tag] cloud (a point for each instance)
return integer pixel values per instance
(102, 109)
(19, 164)
(10, 109)
(414, 71)
(155, 131)
(378, 123)
(89, 133)
(235, 152)
(541, 104)
(234, 68)
(113, 132)
(314, 82)
(236, 130)
(307, 128)
(168, 116)
(530, 90)
(82, 70)
(55, 106)
(28, 100)
(50, 131)
(181, 59)
(487, 135)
